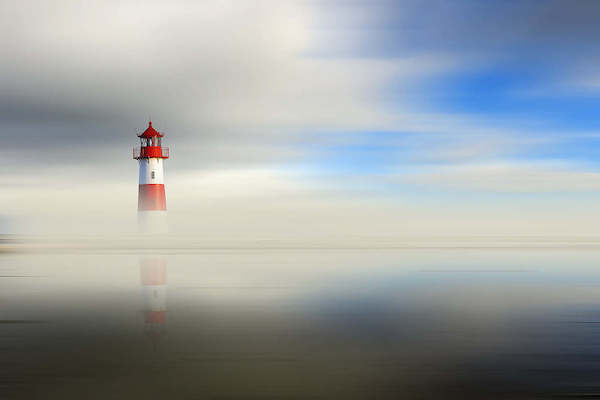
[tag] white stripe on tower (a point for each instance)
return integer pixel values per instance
(151, 171)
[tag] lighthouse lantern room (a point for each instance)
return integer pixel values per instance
(152, 204)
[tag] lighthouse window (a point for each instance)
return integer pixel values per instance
(153, 174)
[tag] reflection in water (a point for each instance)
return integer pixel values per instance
(153, 274)
(450, 324)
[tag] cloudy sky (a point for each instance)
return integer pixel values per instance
(304, 117)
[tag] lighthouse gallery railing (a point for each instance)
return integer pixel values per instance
(150, 152)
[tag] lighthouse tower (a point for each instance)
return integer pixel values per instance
(152, 203)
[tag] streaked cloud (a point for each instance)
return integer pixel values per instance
(528, 177)
(333, 108)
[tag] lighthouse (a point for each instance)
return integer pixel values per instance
(152, 203)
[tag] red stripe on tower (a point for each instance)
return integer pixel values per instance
(152, 198)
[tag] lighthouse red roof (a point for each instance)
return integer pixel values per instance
(150, 132)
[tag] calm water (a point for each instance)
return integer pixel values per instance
(301, 324)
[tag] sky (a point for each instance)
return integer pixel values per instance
(303, 118)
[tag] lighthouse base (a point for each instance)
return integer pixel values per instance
(152, 222)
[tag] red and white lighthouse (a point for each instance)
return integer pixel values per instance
(152, 203)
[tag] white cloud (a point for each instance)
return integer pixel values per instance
(505, 176)
(241, 65)
(236, 85)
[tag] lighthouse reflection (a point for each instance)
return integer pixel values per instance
(153, 277)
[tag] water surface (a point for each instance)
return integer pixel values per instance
(229, 324)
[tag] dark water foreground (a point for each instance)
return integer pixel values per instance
(413, 324)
